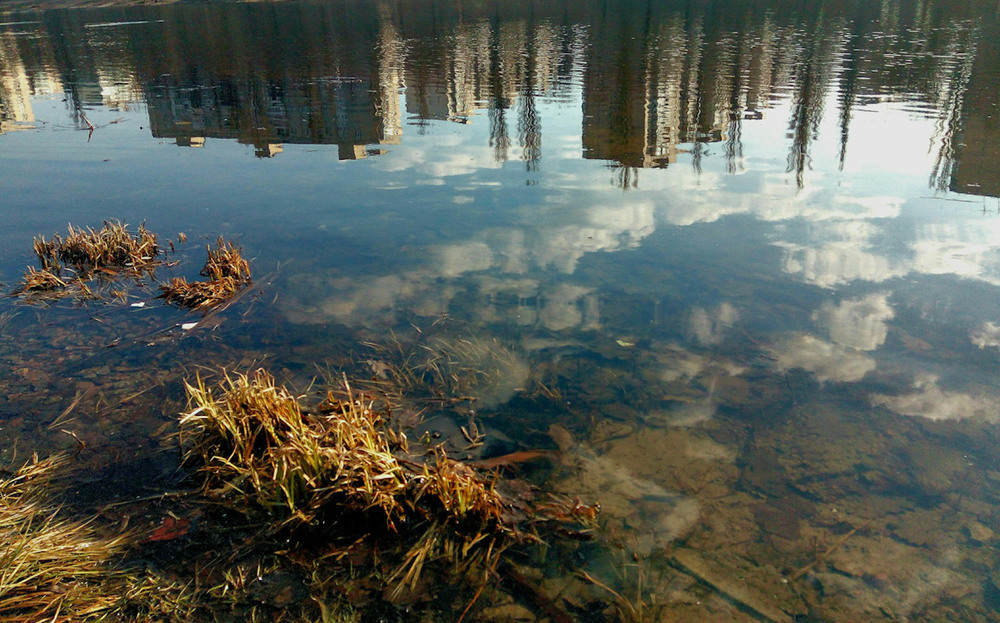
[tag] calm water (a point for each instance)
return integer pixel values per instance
(741, 260)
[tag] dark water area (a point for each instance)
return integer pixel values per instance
(738, 261)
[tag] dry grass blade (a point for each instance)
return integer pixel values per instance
(226, 261)
(47, 253)
(460, 490)
(36, 281)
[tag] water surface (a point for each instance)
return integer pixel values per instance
(746, 255)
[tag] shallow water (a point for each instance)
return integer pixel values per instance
(739, 261)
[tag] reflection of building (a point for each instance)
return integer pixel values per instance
(15, 88)
(449, 81)
(268, 113)
(190, 141)
(656, 86)
(653, 79)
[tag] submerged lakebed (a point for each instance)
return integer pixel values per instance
(728, 271)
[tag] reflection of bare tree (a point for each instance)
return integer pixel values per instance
(739, 56)
(952, 79)
(529, 126)
(529, 132)
(848, 95)
(811, 74)
(624, 176)
(499, 139)
(690, 100)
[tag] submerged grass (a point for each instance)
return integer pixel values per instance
(51, 569)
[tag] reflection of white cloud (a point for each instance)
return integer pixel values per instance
(678, 363)
(709, 325)
(440, 156)
(953, 257)
(564, 307)
(603, 228)
(836, 263)
(829, 362)
(988, 334)
(964, 249)
(315, 300)
(769, 199)
(626, 496)
(824, 207)
(858, 323)
(464, 257)
(931, 402)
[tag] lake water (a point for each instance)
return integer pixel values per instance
(740, 261)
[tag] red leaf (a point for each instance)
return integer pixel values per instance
(170, 529)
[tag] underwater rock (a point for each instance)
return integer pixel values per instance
(753, 586)
(651, 516)
(978, 533)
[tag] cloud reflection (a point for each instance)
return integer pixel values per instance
(987, 334)
(931, 402)
(826, 360)
(857, 323)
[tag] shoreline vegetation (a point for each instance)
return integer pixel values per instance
(330, 497)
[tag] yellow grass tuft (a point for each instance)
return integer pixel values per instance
(112, 246)
(254, 439)
(51, 569)
(228, 272)
(251, 439)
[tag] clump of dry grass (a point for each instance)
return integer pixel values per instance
(112, 246)
(227, 271)
(113, 249)
(254, 433)
(51, 569)
(252, 439)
